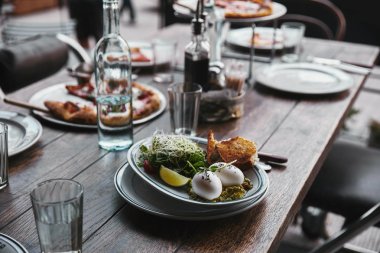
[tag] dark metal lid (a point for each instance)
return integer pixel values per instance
(197, 25)
(10, 245)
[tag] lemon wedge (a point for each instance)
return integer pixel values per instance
(172, 178)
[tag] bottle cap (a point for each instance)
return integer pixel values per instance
(197, 26)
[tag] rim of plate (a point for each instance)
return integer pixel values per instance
(32, 141)
(201, 216)
(261, 174)
(49, 118)
(345, 80)
(234, 38)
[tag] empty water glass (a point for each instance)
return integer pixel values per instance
(3, 155)
(58, 212)
(164, 55)
(184, 108)
(293, 33)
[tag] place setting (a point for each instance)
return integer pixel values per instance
(204, 132)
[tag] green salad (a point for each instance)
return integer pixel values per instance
(176, 152)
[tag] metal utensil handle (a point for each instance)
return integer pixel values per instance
(272, 158)
(25, 105)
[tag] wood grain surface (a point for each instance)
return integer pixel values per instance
(300, 128)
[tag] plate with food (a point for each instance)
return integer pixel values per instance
(263, 39)
(199, 171)
(23, 131)
(237, 10)
(142, 54)
(74, 105)
(143, 196)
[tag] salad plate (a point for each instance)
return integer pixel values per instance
(257, 176)
(141, 195)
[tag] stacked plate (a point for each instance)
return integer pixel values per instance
(148, 193)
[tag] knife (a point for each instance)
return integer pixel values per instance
(341, 65)
(266, 157)
(20, 104)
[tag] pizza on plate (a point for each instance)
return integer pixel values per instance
(245, 8)
(138, 56)
(145, 102)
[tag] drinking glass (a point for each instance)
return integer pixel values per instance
(58, 212)
(3, 155)
(164, 56)
(184, 108)
(293, 33)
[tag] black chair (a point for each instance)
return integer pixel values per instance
(349, 185)
(168, 15)
(35, 58)
(322, 18)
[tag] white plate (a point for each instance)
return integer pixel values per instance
(58, 92)
(257, 176)
(278, 11)
(23, 131)
(141, 195)
(304, 78)
(242, 38)
(146, 49)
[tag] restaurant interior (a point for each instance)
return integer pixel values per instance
(189, 126)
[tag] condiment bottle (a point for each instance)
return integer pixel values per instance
(197, 56)
(113, 72)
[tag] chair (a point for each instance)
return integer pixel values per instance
(168, 16)
(349, 185)
(35, 58)
(322, 18)
(15, 31)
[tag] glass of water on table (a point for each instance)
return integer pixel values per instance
(293, 33)
(58, 212)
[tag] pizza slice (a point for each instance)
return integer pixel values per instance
(138, 56)
(85, 91)
(245, 9)
(71, 112)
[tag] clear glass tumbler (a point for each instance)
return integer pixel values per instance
(293, 33)
(164, 55)
(3, 155)
(184, 108)
(58, 212)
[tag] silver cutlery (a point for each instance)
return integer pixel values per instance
(20, 104)
(340, 65)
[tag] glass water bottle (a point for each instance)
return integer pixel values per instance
(113, 73)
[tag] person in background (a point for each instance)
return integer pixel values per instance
(89, 17)
(129, 5)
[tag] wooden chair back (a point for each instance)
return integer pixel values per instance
(322, 18)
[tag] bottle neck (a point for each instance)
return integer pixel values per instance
(111, 17)
(197, 38)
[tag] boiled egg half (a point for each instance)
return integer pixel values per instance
(228, 174)
(206, 185)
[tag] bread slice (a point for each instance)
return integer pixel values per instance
(212, 154)
(237, 149)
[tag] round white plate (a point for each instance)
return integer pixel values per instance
(146, 49)
(257, 176)
(58, 92)
(23, 131)
(242, 38)
(304, 78)
(144, 197)
(278, 11)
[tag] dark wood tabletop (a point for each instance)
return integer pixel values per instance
(300, 128)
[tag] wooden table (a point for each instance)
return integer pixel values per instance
(297, 127)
